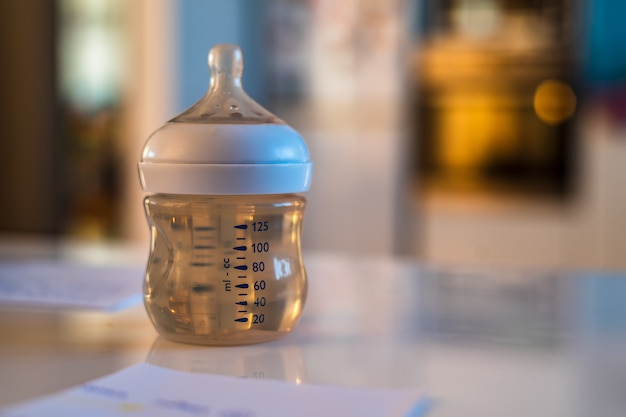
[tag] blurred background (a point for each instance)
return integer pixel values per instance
(482, 132)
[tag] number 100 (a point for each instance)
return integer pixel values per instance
(260, 247)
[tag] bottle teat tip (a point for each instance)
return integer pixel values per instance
(226, 58)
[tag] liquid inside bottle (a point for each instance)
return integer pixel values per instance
(225, 270)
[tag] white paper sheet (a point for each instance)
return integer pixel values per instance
(148, 390)
(70, 285)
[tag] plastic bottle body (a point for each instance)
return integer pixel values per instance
(225, 270)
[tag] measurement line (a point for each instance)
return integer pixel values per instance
(201, 264)
(241, 238)
(241, 226)
(243, 295)
(242, 276)
(241, 267)
(203, 228)
(242, 311)
(242, 320)
(242, 286)
(242, 303)
(241, 257)
(203, 247)
(240, 248)
(202, 288)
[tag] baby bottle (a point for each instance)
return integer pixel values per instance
(225, 265)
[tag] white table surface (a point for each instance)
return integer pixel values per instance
(480, 343)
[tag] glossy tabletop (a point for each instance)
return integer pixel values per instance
(478, 342)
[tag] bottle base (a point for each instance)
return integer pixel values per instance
(249, 337)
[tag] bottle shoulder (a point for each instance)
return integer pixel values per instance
(251, 199)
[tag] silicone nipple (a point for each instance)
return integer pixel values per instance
(226, 102)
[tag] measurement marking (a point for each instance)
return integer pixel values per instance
(242, 320)
(203, 228)
(241, 286)
(243, 295)
(241, 267)
(242, 276)
(241, 226)
(203, 247)
(241, 258)
(240, 248)
(242, 311)
(201, 264)
(242, 303)
(202, 288)
(241, 238)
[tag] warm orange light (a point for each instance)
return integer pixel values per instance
(555, 102)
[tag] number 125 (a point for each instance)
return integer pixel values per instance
(260, 226)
